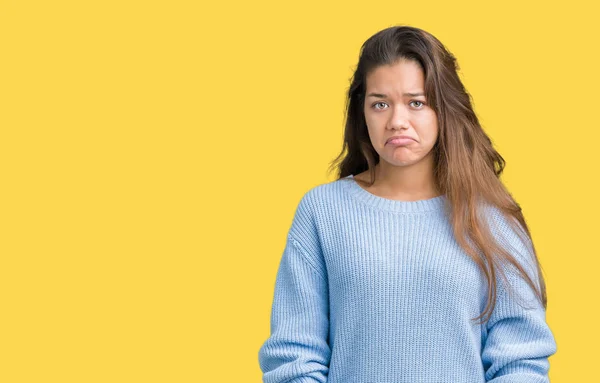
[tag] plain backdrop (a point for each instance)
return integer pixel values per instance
(153, 153)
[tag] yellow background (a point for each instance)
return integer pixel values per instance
(153, 154)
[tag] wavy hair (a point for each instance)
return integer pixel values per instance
(467, 168)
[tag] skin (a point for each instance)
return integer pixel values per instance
(403, 172)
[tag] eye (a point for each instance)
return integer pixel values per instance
(420, 102)
(377, 103)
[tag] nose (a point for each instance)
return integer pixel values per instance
(399, 118)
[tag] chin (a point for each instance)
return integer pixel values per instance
(400, 162)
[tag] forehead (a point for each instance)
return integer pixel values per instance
(402, 76)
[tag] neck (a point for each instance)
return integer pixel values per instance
(406, 182)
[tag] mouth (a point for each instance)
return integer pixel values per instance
(400, 140)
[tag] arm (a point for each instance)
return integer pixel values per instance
(297, 350)
(519, 341)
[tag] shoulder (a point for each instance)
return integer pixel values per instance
(322, 197)
(315, 206)
(511, 235)
(503, 225)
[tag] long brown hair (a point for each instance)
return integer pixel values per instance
(467, 168)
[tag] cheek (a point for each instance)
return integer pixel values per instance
(373, 126)
(430, 126)
(370, 120)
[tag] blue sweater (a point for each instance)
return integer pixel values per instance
(374, 290)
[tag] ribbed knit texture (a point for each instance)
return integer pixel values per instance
(374, 290)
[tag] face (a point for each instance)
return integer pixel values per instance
(391, 110)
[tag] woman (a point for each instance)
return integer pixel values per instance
(416, 264)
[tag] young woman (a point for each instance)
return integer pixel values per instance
(416, 264)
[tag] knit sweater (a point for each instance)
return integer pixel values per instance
(375, 290)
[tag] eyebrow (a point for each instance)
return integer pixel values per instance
(380, 95)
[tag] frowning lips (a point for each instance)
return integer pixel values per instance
(402, 137)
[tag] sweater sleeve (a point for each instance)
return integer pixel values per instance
(519, 341)
(297, 350)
